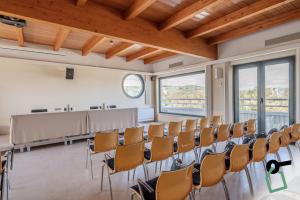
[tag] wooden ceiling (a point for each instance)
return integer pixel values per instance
(150, 30)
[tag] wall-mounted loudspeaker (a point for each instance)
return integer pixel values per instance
(218, 73)
(153, 78)
(70, 73)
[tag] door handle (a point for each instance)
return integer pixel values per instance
(261, 100)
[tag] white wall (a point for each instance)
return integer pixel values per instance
(256, 41)
(25, 85)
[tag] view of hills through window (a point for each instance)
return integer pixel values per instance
(184, 94)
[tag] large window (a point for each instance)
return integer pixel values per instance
(183, 94)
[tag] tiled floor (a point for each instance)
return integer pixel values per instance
(59, 173)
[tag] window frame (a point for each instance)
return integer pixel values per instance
(181, 75)
(143, 86)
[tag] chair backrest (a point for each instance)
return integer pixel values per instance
(106, 141)
(162, 148)
(190, 125)
(175, 185)
(285, 136)
(216, 120)
(186, 141)
(174, 128)
(203, 123)
(129, 156)
(295, 132)
(251, 126)
(223, 132)
(238, 130)
(133, 135)
(207, 137)
(155, 130)
(239, 157)
(212, 169)
(274, 142)
(259, 150)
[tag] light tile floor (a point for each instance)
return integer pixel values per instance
(58, 173)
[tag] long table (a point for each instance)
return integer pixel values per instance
(46, 126)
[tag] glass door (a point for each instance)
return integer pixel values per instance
(278, 93)
(265, 91)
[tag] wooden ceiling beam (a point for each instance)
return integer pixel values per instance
(141, 53)
(61, 35)
(20, 37)
(117, 49)
(137, 7)
(91, 43)
(98, 20)
(244, 13)
(159, 57)
(252, 28)
(187, 13)
(81, 2)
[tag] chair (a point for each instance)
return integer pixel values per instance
(259, 152)
(216, 121)
(174, 128)
(210, 172)
(285, 140)
(223, 133)
(274, 144)
(191, 125)
(238, 131)
(127, 157)
(251, 127)
(239, 159)
(171, 185)
(155, 130)
(296, 134)
(206, 139)
(103, 142)
(203, 123)
(185, 143)
(161, 149)
(133, 135)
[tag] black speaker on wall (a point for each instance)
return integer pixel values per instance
(70, 73)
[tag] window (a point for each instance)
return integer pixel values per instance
(133, 85)
(183, 94)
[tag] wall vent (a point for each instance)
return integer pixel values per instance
(283, 39)
(177, 64)
(46, 52)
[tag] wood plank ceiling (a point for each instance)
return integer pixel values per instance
(150, 30)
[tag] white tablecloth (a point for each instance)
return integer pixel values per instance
(45, 126)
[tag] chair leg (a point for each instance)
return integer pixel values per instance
(2, 185)
(160, 165)
(290, 154)
(102, 170)
(199, 154)
(91, 163)
(109, 181)
(87, 155)
(249, 180)
(278, 157)
(214, 148)
(145, 172)
(155, 167)
(225, 189)
(128, 175)
(133, 175)
(12, 158)
(7, 185)
(191, 197)
(196, 155)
